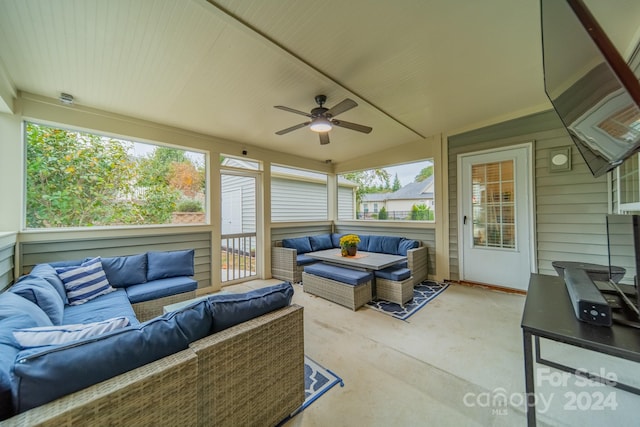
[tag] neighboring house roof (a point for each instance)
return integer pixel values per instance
(375, 197)
(412, 191)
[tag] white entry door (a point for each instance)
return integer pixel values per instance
(496, 213)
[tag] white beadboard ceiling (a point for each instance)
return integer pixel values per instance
(416, 68)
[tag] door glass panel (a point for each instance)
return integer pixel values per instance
(493, 201)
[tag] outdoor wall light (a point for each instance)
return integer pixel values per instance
(560, 159)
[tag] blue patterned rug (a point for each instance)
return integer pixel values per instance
(317, 381)
(422, 294)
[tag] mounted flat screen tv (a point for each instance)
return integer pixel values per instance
(592, 89)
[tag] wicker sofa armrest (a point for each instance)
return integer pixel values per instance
(283, 264)
(252, 373)
(158, 393)
(417, 263)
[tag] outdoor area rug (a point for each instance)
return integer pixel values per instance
(422, 294)
(317, 381)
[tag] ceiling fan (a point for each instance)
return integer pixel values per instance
(322, 119)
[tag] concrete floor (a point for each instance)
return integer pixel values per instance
(444, 366)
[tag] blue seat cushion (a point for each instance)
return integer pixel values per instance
(384, 244)
(393, 273)
(305, 260)
(161, 265)
(42, 375)
(9, 348)
(339, 274)
(321, 242)
(364, 242)
(68, 263)
(335, 239)
(160, 288)
(302, 245)
(14, 305)
(390, 245)
(113, 304)
(406, 244)
(123, 271)
(231, 309)
(48, 273)
(15, 312)
(374, 244)
(40, 292)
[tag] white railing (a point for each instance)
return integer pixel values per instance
(238, 256)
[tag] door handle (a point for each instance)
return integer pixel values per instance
(464, 220)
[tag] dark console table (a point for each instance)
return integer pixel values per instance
(548, 313)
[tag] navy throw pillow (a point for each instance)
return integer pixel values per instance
(301, 244)
(161, 265)
(41, 293)
(321, 242)
(405, 245)
(14, 305)
(123, 271)
(231, 309)
(48, 273)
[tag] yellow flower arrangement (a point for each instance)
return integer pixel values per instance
(349, 240)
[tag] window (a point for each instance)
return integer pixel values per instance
(81, 179)
(298, 195)
(629, 185)
(493, 201)
(402, 193)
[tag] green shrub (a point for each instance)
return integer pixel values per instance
(421, 212)
(383, 213)
(189, 206)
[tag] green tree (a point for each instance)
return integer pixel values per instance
(368, 182)
(382, 214)
(160, 201)
(73, 178)
(396, 184)
(155, 168)
(76, 179)
(424, 174)
(186, 178)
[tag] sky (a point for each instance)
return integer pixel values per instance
(407, 173)
(142, 149)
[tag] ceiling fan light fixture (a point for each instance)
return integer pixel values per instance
(320, 124)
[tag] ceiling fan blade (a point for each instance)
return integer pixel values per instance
(341, 107)
(291, 110)
(352, 126)
(324, 138)
(292, 128)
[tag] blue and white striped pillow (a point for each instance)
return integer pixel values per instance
(85, 282)
(56, 335)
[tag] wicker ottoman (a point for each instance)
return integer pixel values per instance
(394, 291)
(349, 296)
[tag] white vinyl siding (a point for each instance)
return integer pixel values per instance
(7, 252)
(295, 200)
(571, 206)
(346, 200)
(240, 192)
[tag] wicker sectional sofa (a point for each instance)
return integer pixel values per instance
(234, 359)
(288, 257)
